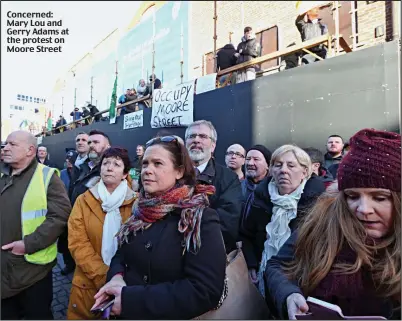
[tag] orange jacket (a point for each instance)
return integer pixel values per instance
(85, 228)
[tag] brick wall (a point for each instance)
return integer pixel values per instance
(264, 14)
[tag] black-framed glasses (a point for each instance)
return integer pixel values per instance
(163, 139)
(237, 154)
(201, 136)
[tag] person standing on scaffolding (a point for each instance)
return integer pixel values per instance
(247, 50)
(310, 27)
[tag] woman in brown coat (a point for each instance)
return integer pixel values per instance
(94, 221)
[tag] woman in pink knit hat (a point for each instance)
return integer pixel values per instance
(348, 250)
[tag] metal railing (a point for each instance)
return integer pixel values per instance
(61, 128)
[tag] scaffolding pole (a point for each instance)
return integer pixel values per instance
(92, 82)
(354, 26)
(215, 35)
(181, 53)
(153, 53)
(336, 8)
(242, 14)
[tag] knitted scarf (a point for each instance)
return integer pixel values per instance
(147, 210)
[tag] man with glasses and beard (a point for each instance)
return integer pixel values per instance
(200, 139)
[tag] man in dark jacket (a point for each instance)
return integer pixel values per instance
(247, 50)
(225, 58)
(61, 122)
(200, 139)
(26, 276)
(76, 114)
(98, 143)
(310, 27)
(62, 244)
(257, 168)
(334, 150)
(93, 111)
(130, 107)
(317, 163)
(82, 149)
(42, 157)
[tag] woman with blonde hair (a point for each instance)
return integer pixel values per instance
(348, 250)
(92, 227)
(280, 200)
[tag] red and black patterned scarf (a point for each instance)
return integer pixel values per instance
(147, 210)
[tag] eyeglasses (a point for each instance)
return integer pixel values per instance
(237, 154)
(201, 136)
(164, 139)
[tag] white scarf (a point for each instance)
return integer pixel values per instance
(278, 230)
(80, 160)
(111, 204)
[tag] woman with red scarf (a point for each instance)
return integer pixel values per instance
(348, 250)
(171, 259)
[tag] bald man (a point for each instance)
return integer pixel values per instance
(234, 159)
(34, 211)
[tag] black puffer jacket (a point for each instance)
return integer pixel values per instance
(226, 57)
(253, 224)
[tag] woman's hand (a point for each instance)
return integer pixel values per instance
(296, 304)
(112, 288)
(253, 275)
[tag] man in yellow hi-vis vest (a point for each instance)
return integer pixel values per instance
(34, 209)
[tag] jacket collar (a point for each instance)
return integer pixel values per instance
(7, 170)
(208, 174)
(328, 156)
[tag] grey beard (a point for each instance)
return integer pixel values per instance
(252, 174)
(197, 156)
(93, 156)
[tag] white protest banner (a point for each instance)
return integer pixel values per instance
(173, 107)
(134, 120)
(206, 83)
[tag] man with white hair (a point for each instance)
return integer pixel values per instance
(200, 139)
(34, 212)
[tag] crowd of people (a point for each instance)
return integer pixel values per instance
(309, 26)
(154, 233)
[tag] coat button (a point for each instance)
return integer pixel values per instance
(148, 246)
(145, 278)
(74, 305)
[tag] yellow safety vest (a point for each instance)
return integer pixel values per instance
(33, 212)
